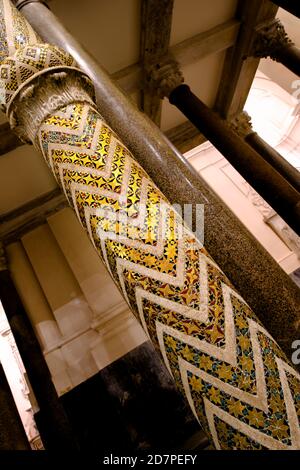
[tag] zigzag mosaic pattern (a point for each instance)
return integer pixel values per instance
(235, 377)
(237, 381)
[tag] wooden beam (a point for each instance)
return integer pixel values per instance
(209, 42)
(185, 136)
(16, 223)
(156, 22)
(239, 71)
(186, 52)
(130, 78)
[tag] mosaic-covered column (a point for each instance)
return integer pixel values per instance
(231, 245)
(236, 379)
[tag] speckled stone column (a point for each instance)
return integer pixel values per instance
(12, 433)
(247, 264)
(236, 379)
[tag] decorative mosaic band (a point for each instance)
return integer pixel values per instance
(239, 384)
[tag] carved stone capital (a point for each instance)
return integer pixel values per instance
(242, 125)
(43, 97)
(163, 76)
(270, 38)
(3, 259)
(37, 81)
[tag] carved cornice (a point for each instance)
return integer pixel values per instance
(164, 76)
(270, 38)
(242, 125)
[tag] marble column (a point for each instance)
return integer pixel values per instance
(51, 419)
(270, 184)
(242, 125)
(229, 242)
(271, 40)
(236, 379)
(12, 433)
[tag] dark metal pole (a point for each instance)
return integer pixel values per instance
(12, 432)
(263, 178)
(231, 245)
(290, 173)
(56, 432)
(289, 56)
